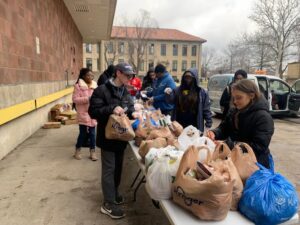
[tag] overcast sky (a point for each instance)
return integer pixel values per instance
(217, 21)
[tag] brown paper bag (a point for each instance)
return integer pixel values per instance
(244, 160)
(146, 145)
(160, 132)
(209, 199)
(176, 128)
(119, 128)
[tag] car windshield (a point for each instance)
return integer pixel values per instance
(219, 83)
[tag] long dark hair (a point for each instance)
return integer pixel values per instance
(147, 77)
(189, 101)
(82, 73)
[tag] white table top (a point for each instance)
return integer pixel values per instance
(180, 216)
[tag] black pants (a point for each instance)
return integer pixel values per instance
(112, 163)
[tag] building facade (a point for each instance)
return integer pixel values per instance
(40, 58)
(293, 72)
(177, 50)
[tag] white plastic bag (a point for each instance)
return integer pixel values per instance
(189, 136)
(205, 141)
(151, 156)
(158, 180)
(174, 161)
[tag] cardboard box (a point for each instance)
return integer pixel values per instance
(70, 114)
(50, 125)
(69, 122)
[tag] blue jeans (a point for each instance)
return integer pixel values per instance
(84, 133)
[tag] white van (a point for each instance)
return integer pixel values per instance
(216, 85)
(279, 93)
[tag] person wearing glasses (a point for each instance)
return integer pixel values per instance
(112, 98)
(226, 95)
(83, 90)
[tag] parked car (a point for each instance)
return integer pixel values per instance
(283, 99)
(294, 102)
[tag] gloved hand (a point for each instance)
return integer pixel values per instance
(168, 91)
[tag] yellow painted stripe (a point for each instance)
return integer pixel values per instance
(15, 111)
(50, 98)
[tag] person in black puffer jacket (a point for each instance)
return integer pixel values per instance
(249, 121)
(112, 98)
(106, 75)
(225, 101)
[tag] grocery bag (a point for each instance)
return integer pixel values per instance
(208, 199)
(244, 160)
(158, 179)
(119, 128)
(268, 197)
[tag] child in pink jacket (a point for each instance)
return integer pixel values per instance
(83, 90)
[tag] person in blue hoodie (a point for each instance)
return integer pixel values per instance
(158, 97)
(192, 104)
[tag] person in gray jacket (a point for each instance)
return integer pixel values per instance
(192, 104)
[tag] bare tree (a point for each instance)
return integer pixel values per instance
(262, 56)
(278, 19)
(110, 52)
(208, 55)
(138, 35)
(237, 54)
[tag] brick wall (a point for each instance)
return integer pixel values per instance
(21, 21)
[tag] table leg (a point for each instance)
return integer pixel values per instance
(155, 203)
(137, 187)
(136, 177)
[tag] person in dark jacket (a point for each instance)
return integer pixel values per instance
(249, 121)
(226, 95)
(148, 79)
(192, 105)
(157, 96)
(112, 98)
(106, 75)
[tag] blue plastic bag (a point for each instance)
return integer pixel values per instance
(136, 123)
(268, 197)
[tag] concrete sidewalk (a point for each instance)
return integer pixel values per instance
(41, 184)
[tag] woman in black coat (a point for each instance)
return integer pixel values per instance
(249, 121)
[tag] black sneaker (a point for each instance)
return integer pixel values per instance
(112, 210)
(119, 200)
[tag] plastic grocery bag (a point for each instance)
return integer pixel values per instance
(244, 159)
(268, 197)
(158, 179)
(189, 136)
(208, 199)
(170, 153)
(205, 141)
